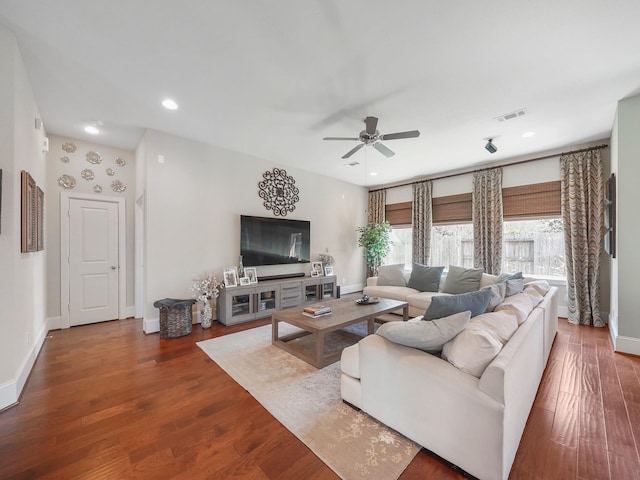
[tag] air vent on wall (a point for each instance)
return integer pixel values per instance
(511, 115)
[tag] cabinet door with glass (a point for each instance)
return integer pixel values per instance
(267, 300)
(237, 305)
(328, 287)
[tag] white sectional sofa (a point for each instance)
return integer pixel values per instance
(474, 422)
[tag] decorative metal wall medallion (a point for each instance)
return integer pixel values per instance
(94, 157)
(279, 192)
(87, 174)
(69, 147)
(65, 159)
(118, 186)
(121, 162)
(110, 172)
(97, 189)
(67, 181)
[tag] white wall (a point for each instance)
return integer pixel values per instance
(193, 203)
(76, 164)
(22, 275)
(540, 171)
(625, 307)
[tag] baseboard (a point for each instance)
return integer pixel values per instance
(10, 391)
(344, 289)
(151, 325)
(627, 345)
(129, 312)
(55, 323)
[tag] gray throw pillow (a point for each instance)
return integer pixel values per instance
(462, 280)
(445, 305)
(503, 277)
(497, 292)
(429, 336)
(391, 276)
(425, 279)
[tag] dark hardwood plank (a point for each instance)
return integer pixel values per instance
(107, 401)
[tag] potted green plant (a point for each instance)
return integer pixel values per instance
(375, 238)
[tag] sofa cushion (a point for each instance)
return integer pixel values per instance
(520, 304)
(497, 292)
(429, 336)
(499, 324)
(444, 305)
(540, 286)
(425, 279)
(472, 350)
(391, 275)
(394, 293)
(462, 280)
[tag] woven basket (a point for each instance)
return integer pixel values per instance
(175, 317)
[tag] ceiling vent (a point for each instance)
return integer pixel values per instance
(511, 115)
(352, 164)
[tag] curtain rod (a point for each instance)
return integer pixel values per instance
(544, 157)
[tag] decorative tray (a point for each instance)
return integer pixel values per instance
(371, 300)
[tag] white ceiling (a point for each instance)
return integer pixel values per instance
(272, 78)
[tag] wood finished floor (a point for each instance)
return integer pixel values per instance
(106, 401)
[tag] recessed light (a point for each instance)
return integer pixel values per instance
(169, 104)
(91, 129)
(528, 134)
(373, 174)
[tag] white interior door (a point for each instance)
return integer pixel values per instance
(93, 261)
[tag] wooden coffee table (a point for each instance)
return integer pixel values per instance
(344, 312)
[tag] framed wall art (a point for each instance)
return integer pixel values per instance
(39, 219)
(28, 237)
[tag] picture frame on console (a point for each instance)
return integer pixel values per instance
(251, 274)
(328, 271)
(244, 281)
(230, 276)
(316, 269)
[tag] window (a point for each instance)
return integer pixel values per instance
(452, 245)
(402, 248)
(534, 247)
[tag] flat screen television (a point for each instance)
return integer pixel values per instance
(274, 241)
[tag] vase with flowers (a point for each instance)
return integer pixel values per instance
(203, 290)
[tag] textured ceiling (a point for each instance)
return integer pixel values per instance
(271, 79)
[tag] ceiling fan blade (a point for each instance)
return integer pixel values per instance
(395, 136)
(340, 138)
(383, 150)
(353, 150)
(371, 123)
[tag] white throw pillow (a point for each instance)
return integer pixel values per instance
(541, 286)
(391, 275)
(472, 350)
(428, 335)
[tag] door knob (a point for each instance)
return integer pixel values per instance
(113, 267)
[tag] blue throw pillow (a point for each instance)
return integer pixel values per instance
(445, 305)
(425, 279)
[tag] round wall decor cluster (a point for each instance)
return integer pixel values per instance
(279, 192)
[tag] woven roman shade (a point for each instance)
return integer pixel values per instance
(529, 201)
(398, 213)
(451, 209)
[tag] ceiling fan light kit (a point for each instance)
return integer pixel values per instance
(371, 136)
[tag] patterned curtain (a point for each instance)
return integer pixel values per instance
(377, 202)
(582, 200)
(487, 220)
(421, 219)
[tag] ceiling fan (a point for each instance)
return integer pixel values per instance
(371, 136)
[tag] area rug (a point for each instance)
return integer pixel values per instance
(307, 402)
